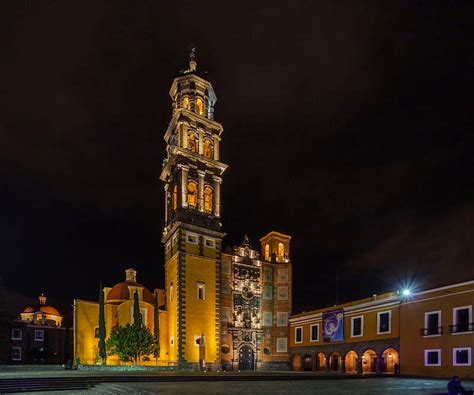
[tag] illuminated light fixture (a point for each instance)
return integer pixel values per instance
(406, 292)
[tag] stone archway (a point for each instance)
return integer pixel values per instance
(351, 360)
(296, 362)
(369, 361)
(390, 361)
(320, 362)
(308, 362)
(335, 362)
(246, 358)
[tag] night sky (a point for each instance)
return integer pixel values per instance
(348, 125)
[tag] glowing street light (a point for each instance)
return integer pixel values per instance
(406, 292)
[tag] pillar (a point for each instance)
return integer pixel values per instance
(217, 195)
(201, 175)
(185, 137)
(200, 143)
(166, 202)
(328, 366)
(184, 185)
(313, 367)
(216, 148)
(378, 366)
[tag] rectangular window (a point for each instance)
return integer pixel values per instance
(191, 238)
(16, 334)
(143, 313)
(462, 320)
(314, 332)
(201, 291)
(39, 335)
(432, 323)
(357, 326)
(462, 356)
(433, 357)
(16, 353)
(267, 318)
(383, 322)
(282, 318)
(282, 344)
(209, 243)
(282, 293)
(299, 334)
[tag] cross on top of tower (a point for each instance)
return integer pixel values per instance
(192, 59)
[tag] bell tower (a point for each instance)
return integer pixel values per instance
(192, 234)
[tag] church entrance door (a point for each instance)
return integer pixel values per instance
(246, 358)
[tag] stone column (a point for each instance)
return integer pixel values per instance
(216, 148)
(217, 195)
(200, 143)
(313, 367)
(201, 175)
(184, 185)
(343, 365)
(378, 366)
(185, 137)
(166, 202)
(328, 366)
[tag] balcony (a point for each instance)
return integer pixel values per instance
(462, 328)
(431, 331)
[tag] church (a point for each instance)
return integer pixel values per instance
(219, 309)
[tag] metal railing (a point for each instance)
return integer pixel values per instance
(431, 331)
(461, 328)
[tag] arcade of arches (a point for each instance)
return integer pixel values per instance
(366, 361)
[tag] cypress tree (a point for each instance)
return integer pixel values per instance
(156, 329)
(102, 349)
(137, 317)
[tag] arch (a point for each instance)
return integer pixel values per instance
(334, 362)
(192, 141)
(351, 359)
(281, 250)
(199, 106)
(208, 148)
(175, 197)
(246, 358)
(390, 361)
(192, 194)
(296, 362)
(369, 361)
(208, 199)
(320, 361)
(185, 102)
(267, 252)
(308, 362)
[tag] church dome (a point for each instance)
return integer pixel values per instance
(121, 291)
(41, 311)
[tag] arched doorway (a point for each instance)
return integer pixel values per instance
(334, 362)
(320, 362)
(296, 362)
(351, 362)
(369, 361)
(390, 361)
(246, 358)
(308, 362)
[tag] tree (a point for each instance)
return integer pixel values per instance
(130, 342)
(102, 334)
(156, 329)
(137, 316)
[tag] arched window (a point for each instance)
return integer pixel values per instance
(281, 250)
(208, 192)
(175, 197)
(267, 252)
(192, 142)
(185, 102)
(192, 194)
(199, 106)
(208, 149)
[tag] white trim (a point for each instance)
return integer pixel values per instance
(311, 333)
(455, 310)
(16, 348)
(188, 234)
(469, 359)
(17, 338)
(201, 285)
(37, 331)
(471, 282)
(389, 322)
(439, 357)
(296, 331)
(361, 326)
(213, 242)
(427, 313)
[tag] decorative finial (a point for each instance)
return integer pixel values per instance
(42, 299)
(192, 59)
(131, 275)
(246, 242)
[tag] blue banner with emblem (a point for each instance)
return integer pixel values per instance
(333, 326)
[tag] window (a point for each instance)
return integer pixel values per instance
(201, 291)
(267, 252)
(171, 291)
(174, 240)
(383, 322)
(39, 335)
(168, 247)
(186, 102)
(299, 334)
(282, 293)
(16, 353)
(191, 238)
(282, 318)
(210, 243)
(267, 318)
(208, 149)
(143, 313)
(462, 320)
(357, 326)
(192, 194)
(267, 292)
(16, 334)
(433, 357)
(282, 344)
(172, 340)
(198, 340)
(281, 250)
(462, 356)
(96, 332)
(208, 199)
(432, 323)
(175, 197)
(314, 332)
(192, 142)
(199, 106)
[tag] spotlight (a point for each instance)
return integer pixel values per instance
(406, 292)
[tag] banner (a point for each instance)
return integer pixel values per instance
(333, 326)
